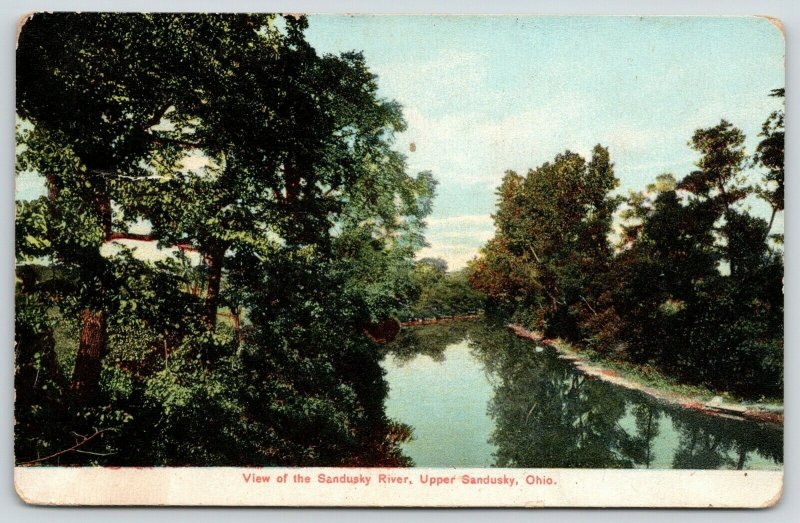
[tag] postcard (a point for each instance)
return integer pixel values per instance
(433, 261)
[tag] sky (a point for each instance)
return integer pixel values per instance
(484, 94)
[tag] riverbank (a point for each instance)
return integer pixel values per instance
(443, 319)
(656, 384)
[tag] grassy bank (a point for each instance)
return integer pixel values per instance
(658, 385)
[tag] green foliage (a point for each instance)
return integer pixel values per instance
(769, 155)
(551, 249)
(271, 170)
(441, 293)
(695, 287)
(429, 340)
(681, 312)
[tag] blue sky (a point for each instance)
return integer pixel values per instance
(483, 94)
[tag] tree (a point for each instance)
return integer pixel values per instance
(238, 145)
(698, 289)
(769, 155)
(552, 227)
(92, 94)
(442, 293)
(694, 288)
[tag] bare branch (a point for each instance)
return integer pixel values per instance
(131, 236)
(534, 254)
(86, 439)
(589, 305)
(95, 453)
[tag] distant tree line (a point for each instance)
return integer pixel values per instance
(441, 293)
(267, 170)
(693, 285)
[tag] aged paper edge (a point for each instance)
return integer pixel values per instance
(230, 486)
(227, 486)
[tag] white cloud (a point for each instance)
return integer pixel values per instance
(456, 256)
(632, 139)
(479, 236)
(468, 220)
(456, 239)
(459, 74)
(471, 148)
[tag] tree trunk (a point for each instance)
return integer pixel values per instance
(104, 205)
(91, 351)
(383, 332)
(771, 220)
(52, 188)
(237, 331)
(214, 260)
(291, 181)
(648, 437)
(742, 458)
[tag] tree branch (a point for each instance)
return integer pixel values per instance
(131, 236)
(86, 439)
(184, 246)
(158, 140)
(771, 220)
(534, 254)
(589, 305)
(157, 116)
(332, 188)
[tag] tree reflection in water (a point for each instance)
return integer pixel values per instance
(429, 340)
(546, 414)
(640, 446)
(713, 443)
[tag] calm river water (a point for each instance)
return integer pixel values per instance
(475, 395)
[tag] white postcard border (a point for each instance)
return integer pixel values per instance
(385, 487)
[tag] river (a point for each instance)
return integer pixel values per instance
(475, 395)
